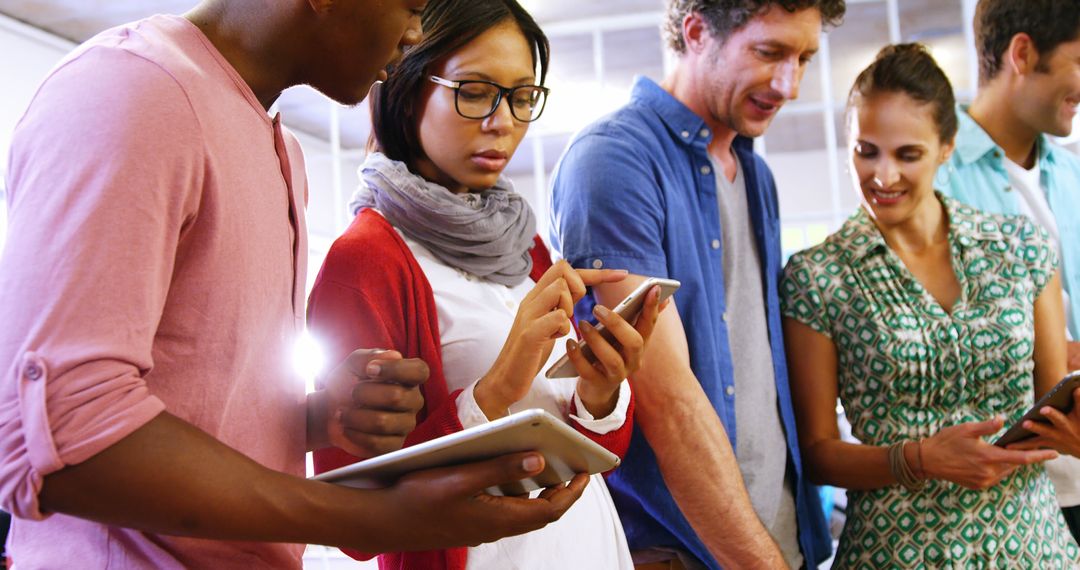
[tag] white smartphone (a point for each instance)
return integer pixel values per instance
(566, 453)
(629, 309)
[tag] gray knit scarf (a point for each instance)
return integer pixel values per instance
(487, 234)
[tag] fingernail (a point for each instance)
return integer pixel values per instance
(586, 326)
(532, 463)
(373, 369)
(601, 311)
(571, 345)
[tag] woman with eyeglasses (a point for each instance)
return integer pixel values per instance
(442, 263)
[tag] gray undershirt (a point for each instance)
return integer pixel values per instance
(761, 449)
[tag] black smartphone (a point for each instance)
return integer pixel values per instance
(1059, 398)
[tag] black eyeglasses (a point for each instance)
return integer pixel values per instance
(476, 99)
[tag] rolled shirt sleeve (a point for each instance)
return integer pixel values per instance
(607, 424)
(607, 209)
(470, 414)
(100, 189)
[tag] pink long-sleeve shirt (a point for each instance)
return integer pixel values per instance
(155, 261)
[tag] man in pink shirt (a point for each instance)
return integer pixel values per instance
(150, 294)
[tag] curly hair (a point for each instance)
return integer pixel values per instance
(911, 70)
(1049, 23)
(727, 16)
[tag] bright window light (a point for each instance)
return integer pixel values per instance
(574, 105)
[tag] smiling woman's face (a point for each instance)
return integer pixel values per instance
(896, 150)
(470, 154)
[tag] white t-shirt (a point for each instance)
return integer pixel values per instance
(1033, 204)
(475, 316)
(1064, 471)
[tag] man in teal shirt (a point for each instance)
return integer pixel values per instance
(1029, 87)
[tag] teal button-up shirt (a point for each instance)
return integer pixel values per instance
(976, 175)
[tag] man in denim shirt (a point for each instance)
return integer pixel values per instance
(670, 186)
(1029, 87)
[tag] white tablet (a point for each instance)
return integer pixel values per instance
(566, 453)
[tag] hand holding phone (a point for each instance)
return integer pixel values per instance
(543, 317)
(1059, 398)
(629, 309)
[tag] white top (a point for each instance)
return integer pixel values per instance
(1034, 205)
(475, 316)
(1064, 471)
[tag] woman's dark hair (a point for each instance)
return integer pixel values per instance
(911, 70)
(448, 25)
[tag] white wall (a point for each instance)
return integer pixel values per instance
(29, 54)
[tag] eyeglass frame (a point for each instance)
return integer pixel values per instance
(503, 93)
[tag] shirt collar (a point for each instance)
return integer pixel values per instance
(685, 125)
(973, 142)
(967, 227)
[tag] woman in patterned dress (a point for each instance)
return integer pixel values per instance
(935, 325)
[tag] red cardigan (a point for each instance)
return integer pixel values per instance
(371, 292)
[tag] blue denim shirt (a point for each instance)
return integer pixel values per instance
(636, 191)
(976, 175)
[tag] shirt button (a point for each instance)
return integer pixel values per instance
(705, 170)
(730, 391)
(723, 317)
(704, 133)
(1008, 188)
(597, 264)
(509, 304)
(32, 372)
(716, 244)
(685, 134)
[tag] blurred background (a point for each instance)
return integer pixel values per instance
(598, 46)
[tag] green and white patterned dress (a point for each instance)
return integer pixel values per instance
(907, 369)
